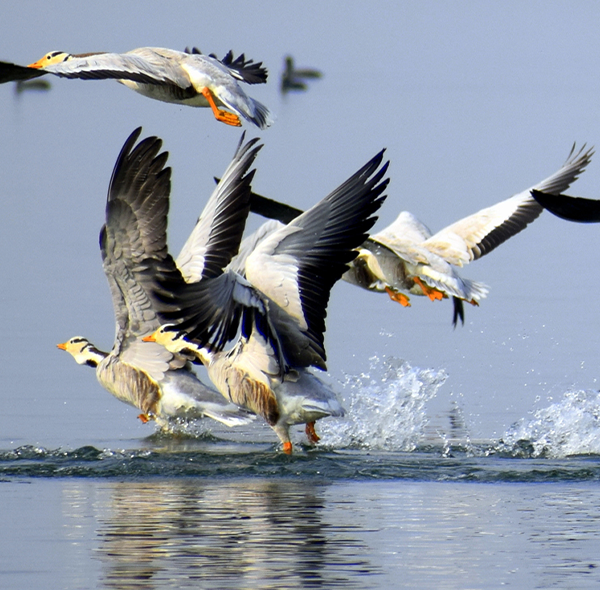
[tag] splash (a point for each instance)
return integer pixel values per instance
(386, 408)
(569, 427)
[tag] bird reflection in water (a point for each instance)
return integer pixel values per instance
(246, 533)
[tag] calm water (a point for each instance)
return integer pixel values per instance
(470, 457)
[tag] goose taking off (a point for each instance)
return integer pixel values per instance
(186, 78)
(134, 250)
(406, 258)
(282, 299)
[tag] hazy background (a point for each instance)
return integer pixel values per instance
(474, 101)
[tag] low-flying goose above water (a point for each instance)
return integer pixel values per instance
(133, 243)
(570, 208)
(291, 270)
(293, 78)
(186, 78)
(406, 258)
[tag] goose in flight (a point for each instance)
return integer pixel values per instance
(287, 274)
(293, 78)
(187, 78)
(570, 208)
(406, 258)
(133, 244)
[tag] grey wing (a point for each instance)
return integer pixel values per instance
(217, 235)
(142, 65)
(477, 235)
(10, 72)
(570, 208)
(241, 68)
(249, 244)
(296, 266)
(134, 251)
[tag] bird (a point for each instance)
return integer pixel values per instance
(133, 244)
(405, 258)
(292, 78)
(185, 78)
(287, 274)
(576, 209)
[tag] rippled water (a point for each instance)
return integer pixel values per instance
(384, 501)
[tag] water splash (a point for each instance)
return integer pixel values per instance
(568, 427)
(386, 408)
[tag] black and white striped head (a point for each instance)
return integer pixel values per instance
(54, 57)
(172, 338)
(83, 351)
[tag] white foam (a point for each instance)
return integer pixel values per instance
(386, 408)
(568, 427)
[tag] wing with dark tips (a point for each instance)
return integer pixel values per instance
(569, 208)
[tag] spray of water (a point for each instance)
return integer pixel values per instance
(568, 427)
(386, 407)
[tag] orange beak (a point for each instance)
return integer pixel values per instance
(149, 338)
(62, 346)
(37, 64)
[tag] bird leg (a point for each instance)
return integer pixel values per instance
(313, 437)
(431, 292)
(398, 297)
(220, 114)
(287, 448)
(474, 302)
(144, 418)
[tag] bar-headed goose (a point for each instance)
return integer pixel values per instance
(291, 270)
(186, 78)
(406, 258)
(133, 243)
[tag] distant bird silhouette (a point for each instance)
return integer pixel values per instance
(292, 78)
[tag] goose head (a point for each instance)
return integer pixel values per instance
(175, 341)
(54, 57)
(83, 351)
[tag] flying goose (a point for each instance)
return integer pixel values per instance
(133, 244)
(186, 78)
(569, 208)
(293, 78)
(291, 270)
(406, 258)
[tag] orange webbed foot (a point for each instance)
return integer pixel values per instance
(221, 115)
(431, 292)
(313, 437)
(287, 448)
(474, 302)
(144, 418)
(398, 297)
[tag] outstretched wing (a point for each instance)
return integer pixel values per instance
(134, 250)
(10, 72)
(216, 238)
(297, 265)
(242, 69)
(477, 235)
(569, 208)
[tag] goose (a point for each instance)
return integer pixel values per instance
(133, 243)
(292, 77)
(406, 257)
(290, 271)
(576, 209)
(185, 78)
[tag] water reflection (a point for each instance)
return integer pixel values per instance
(251, 534)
